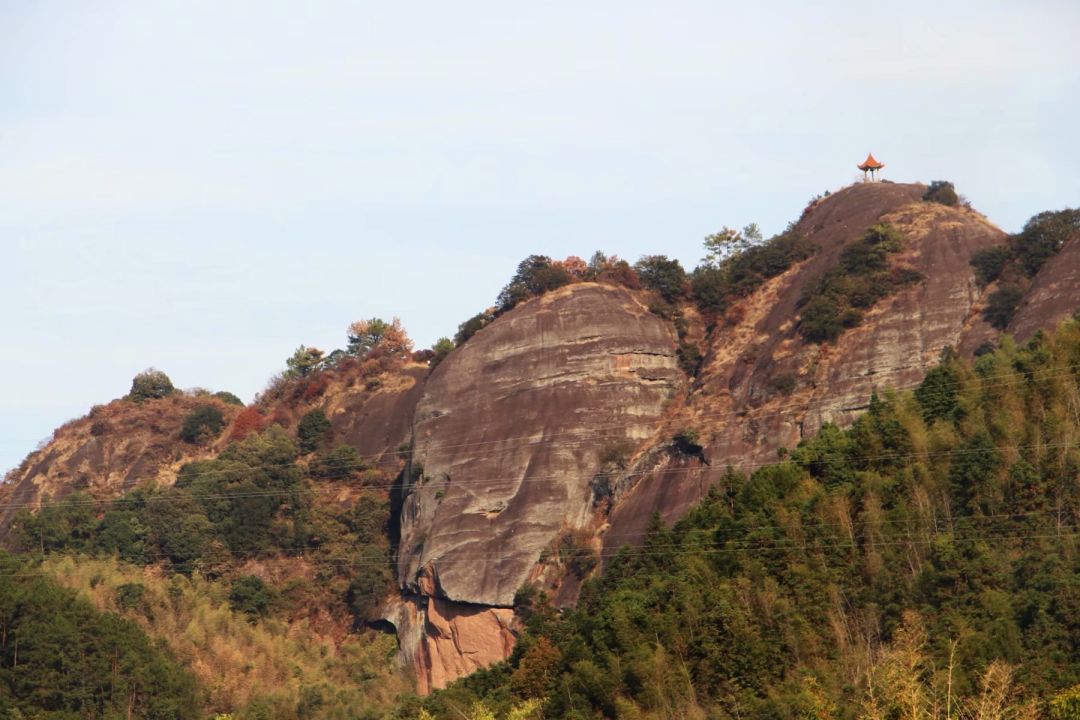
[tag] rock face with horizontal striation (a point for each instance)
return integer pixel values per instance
(508, 436)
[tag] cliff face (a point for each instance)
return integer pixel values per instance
(507, 437)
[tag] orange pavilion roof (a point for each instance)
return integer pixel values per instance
(870, 163)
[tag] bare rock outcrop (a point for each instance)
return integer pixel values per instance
(509, 434)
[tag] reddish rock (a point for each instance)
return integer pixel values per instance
(509, 433)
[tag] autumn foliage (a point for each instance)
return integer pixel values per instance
(249, 421)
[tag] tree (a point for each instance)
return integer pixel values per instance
(303, 362)
(537, 669)
(228, 398)
(1002, 304)
(728, 242)
(937, 393)
(536, 275)
(388, 339)
(663, 275)
(312, 430)
(150, 384)
(250, 420)
(342, 462)
(202, 424)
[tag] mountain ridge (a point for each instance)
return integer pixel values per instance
(552, 435)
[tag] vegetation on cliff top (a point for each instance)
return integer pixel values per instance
(1014, 264)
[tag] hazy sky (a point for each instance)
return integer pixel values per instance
(203, 186)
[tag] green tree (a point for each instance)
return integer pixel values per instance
(938, 392)
(202, 424)
(313, 430)
(303, 362)
(342, 462)
(1043, 236)
(1002, 305)
(663, 275)
(728, 242)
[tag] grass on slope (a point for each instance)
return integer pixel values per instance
(269, 667)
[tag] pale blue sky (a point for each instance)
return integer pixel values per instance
(202, 186)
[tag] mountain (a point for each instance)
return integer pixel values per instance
(590, 400)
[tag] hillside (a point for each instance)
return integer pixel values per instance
(924, 559)
(437, 492)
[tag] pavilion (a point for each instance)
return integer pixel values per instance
(870, 165)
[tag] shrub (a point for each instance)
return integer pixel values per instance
(686, 441)
(611, 269)
(250, 420)
(579, 556)
(202, 424)
(989, 264)
(1002, 304)
(783, 383)
(860, 279)
(689, 357)
(663, 275)
(150, 384)
(313, 429)
(819, 321)
(251, 596)
(941, 191)
(471, 326)
(442, 347)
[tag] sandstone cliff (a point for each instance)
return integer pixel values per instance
(507, 437)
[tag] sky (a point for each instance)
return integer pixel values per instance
(203, 186)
